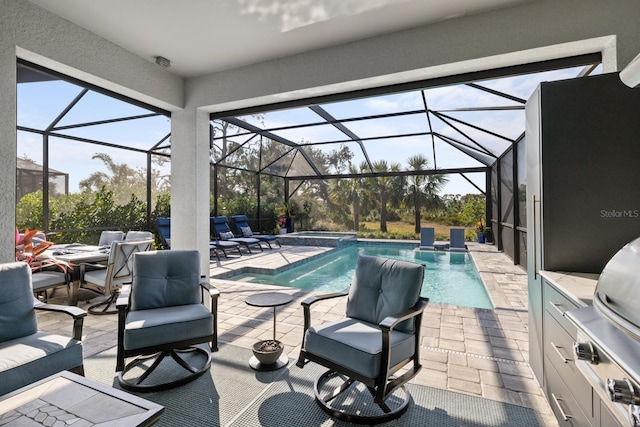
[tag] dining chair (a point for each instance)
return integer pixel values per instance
(108, 281)
(108, 236)
(138, 235)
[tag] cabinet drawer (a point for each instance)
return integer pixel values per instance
(606, 417)
(556, 304)
(562, 402)
(558, 350)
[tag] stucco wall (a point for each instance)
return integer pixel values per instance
(470, 43)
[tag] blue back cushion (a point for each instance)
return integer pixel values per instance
(17, 316)
(383, 287)
(165, 279)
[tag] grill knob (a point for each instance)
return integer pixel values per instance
(586, 351)
(634, 415)
(622, 391)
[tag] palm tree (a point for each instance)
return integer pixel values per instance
(423, 190)
(349, 192)
(385, 186)
(415, 194)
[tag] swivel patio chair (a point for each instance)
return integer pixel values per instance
(28, 355)
(108, 281)
(241, 224)
(222, 232)
(379, 336)
(162, 314)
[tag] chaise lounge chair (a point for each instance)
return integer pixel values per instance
(456, 240)
(241, 224)
(164, 230)
(427, 238)
(222, 232)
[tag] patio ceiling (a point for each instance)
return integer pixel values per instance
(246, 32)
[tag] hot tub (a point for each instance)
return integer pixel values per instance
(318, 238)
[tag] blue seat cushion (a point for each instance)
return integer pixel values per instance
(356, 345)
(34, 357)
(47, 279)
(165, 325)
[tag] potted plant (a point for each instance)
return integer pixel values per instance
(268, 351)
(33, 252)
(488, 235)
(481, 232)
(282, 224)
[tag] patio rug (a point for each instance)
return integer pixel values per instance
(232, 394)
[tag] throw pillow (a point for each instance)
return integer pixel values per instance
(246, 231)
(226, 235)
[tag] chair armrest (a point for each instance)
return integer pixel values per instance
(390, 322)
(311, 300)
(123, 297)
(76, 313)
(213, 291)
(306, 305)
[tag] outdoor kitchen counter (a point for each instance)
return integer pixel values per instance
(578, 287)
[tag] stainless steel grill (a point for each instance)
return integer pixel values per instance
(608, 339)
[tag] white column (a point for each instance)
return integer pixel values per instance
(8, 151)
(190, 183)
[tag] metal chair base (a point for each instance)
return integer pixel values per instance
(325, 403)
(106, 303)
(137, 383)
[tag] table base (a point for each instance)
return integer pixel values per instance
(258, 366)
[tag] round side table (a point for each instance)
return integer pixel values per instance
(269, 299)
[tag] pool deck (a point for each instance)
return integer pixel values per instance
(475, 351)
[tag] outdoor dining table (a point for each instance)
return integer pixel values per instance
(76, 254)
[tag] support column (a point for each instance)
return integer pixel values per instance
(190, 209)
(8, 151)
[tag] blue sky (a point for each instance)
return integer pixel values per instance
(40, 103)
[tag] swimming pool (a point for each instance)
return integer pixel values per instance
(450, 277)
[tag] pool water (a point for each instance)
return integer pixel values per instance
(450, 277)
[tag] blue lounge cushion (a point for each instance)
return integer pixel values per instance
(349, 343)
(382, 287)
